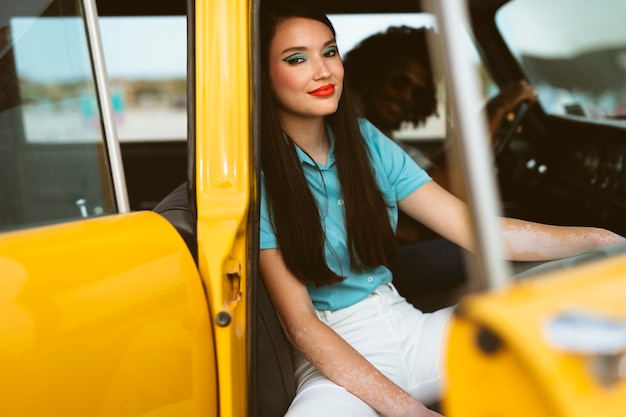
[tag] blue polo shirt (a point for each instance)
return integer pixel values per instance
(397, 176)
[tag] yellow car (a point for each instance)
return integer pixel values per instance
(123, 293)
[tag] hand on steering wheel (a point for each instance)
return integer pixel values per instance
(501, 141)
(511, 104)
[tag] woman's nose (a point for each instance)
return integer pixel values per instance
(321, 70)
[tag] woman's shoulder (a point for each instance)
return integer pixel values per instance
(376, 140)
(368, 130)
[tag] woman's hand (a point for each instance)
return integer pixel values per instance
(422, 411)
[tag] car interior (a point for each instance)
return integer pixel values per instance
(551, 168)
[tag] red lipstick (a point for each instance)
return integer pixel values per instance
(324, 91)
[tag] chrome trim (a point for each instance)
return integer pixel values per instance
(470, 147)
(106, 106)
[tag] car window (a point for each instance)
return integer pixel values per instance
(575, 54)
(148, 89)
(53, 159)
(353, 28)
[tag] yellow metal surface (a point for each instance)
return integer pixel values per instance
(223, 108)
(528, 375)
(103, 317)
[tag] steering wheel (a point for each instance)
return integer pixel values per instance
(502, 140)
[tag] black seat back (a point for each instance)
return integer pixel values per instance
(175, 208)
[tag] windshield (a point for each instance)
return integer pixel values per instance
(574, 52)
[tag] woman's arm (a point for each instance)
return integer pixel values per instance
(325, 349)
(440, 211)
(528, 241)
(525, 241)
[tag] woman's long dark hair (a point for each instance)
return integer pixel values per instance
(293, 210)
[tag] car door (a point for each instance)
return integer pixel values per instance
(103, 311)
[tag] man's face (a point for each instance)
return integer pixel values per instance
(402, 85)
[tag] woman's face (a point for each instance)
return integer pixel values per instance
(305, 70)
(393, 102)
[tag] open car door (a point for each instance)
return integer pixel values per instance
(103, 311)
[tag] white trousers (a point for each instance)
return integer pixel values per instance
(402, 342)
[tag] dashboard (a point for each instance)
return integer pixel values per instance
(570, 174)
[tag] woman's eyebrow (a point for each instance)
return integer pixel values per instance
(305, 48)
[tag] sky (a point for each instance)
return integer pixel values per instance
(144, 47)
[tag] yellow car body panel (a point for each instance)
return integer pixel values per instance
(525, 372)
(103, 317)
(223, 184)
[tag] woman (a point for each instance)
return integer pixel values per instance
(331, 187)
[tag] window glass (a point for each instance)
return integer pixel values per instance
(575, 54)
(53, 160)
(351, 29)
(146, 60)
(53, 66)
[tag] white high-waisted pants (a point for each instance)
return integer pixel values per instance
(401, 341)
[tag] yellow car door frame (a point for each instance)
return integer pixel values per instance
(103, 311)
(223, 120)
